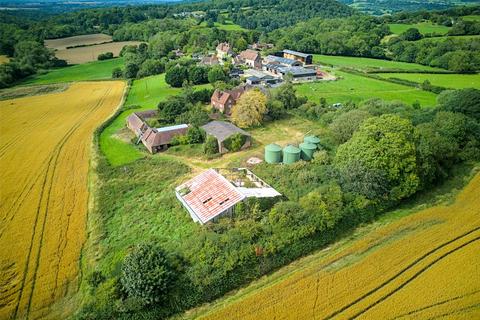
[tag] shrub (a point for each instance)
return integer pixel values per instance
(235, 142)
(210, 147)
(147, 274)
(105, 56)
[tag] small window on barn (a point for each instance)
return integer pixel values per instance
(222, 202)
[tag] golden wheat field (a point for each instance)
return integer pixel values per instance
(45, 146)
(425, 266)
(90, 53)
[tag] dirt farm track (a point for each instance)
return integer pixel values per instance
(45, 146)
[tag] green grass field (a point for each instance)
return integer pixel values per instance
(357, 88)
(145, 93)
(471, 18)
(369, 63)
(423, 27)
(467, 38)
(227, 26)
(454, 81)
(97, 70)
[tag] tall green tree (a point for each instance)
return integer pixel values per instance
(383, 144)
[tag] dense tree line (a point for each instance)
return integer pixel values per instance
(354, 36)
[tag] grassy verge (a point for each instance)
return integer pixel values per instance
(356, 88)
(97, 70)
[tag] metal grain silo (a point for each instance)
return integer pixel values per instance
(291, 154)
(273, 153)
(313, 140)
(307, 150)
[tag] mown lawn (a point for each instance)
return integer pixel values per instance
(423, 27)
(454, 81)
(369, 63)
(145, 93)
(97, 70)
(357, 88)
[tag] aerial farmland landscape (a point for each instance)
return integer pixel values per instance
(240, 159)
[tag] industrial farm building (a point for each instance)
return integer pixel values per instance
(223, 130)
(214, 194)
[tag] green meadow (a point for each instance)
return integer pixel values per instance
(454, 81)
(227, 26)
(423, 27)
(350, 87)
(144, 94)
(369, 63)
(471, 18)
(97, 70)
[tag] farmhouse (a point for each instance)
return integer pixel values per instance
(225, 100)
(304, 58)
(223, 130)
(249, 58)
(211, 195)
(154, 139)
(224, 50)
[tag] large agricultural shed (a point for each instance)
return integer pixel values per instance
(223, 130)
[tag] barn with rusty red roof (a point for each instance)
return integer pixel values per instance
(208, 196)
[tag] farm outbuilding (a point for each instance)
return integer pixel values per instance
(304, 58)
(223, 130)
(215, 192)
(158, 139)
(208, 196)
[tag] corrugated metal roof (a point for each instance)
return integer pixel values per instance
(178, 126)
(296, 53)
(208, 195)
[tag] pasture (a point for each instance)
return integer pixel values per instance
(369, 64)
(423, 27)
(97, 70)
(357, 88)
(144, 94)
(90, 53)
(227, 26)
(367, 278)
(454, 81)
(471, 18)
(44, 159)
(83, 40)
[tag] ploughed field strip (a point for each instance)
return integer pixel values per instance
(413, 268)
(44, 157)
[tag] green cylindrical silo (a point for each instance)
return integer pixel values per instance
(273, 153)
(313, 140)
(307, 150)
(291, 154)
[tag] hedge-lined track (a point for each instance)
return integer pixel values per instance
(423, 266)
(44, 192)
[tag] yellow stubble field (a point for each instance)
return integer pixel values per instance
(425, 266)
(45, 144)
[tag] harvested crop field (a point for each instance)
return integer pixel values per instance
(84, 40)
(44, 160)
(4, 59)
(424, 266)
(90, 53)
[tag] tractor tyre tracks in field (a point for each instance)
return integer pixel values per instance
(403, 271)
(47, 175)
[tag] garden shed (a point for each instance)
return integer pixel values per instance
(223, 130)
